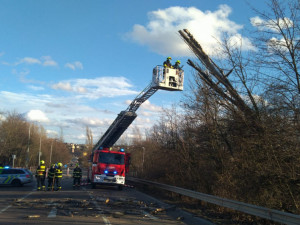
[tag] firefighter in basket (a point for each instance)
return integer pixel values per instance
(167, 63)
(177, 65)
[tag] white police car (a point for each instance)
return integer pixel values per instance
(15, 176)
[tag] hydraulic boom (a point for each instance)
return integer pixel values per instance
(163, 78)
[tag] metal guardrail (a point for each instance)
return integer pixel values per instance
(270, 214)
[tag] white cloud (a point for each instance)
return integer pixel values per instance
(37, 115)
(275, 45)
(36, 88)
(161, 33)
(44, 60)
(48, 61)
(52, 133)
(29, 60)
(68, 113)
(272, 25)
(97, 88)
(22, 74)
(91, 122)
(66, 86)
(2, 117)
(151, 107)
(81, 90)
(145, 113)
(74, 65)
(147, 106)
(143, 121)
(72, 115)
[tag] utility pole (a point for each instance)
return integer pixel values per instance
(13, 158)
(40, 149)
(143, 159)
(51, 152)
(27, 158)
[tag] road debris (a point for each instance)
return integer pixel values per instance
(33, 216)
(112, 206)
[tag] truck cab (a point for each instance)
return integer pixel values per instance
(109, 167)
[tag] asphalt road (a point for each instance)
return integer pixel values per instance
(103, 205)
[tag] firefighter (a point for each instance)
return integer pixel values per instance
(167, 63)
(58, 176)
(177, 65)
(77, 174)
(40, 176)
(51, 177)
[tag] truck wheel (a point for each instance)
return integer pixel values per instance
(120, 187)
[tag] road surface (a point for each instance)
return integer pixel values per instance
(103, 205)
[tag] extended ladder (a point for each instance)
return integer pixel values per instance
(166, 79)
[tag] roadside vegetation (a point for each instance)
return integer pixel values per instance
(25, 140)
(236, 134)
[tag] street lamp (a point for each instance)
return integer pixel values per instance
(13, 158)
(143, 159)
(40, 149)
(27, 158)
(51, 152)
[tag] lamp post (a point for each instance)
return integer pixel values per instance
(40, 149)
(27, 157)
(51, 152)
(143, 159)
(13, 158)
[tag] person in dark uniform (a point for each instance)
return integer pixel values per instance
(167, 63)
(177, 65)
(51, 177)
(40, 176)
(77, 174)
(58, 176)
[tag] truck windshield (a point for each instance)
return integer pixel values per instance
(111, 158)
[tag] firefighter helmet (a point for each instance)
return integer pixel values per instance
(178, 61)
(169, 58)
(42, 162)
(59, 164)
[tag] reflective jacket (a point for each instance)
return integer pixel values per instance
(167, 64)
(58, 172)
(77, 173)
(176, 66)
(41, 171)
(51, 173)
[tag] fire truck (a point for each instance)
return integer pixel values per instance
(110, 166)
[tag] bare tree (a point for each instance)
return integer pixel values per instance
(89, 139)
(277, 38)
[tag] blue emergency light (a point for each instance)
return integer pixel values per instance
(122, 150)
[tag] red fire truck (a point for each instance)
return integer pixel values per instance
(110, 167)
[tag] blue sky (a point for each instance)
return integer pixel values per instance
(71, 64)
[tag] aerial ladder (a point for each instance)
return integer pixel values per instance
(162, 78)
